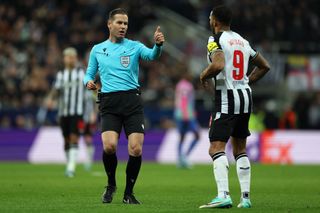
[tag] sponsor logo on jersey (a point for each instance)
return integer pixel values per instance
(103, 53)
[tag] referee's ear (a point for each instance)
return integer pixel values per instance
(109, 22)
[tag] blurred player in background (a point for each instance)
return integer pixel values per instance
(70, 91)
(117, 60)
(229, 56)
(185, 117)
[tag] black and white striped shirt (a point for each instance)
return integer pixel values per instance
(233, 95)
(71, 92)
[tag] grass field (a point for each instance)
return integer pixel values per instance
(161, 188)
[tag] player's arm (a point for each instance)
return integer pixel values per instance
(92, 69)
(54, 92)
(51, 97)
(155, 52)
(261, 68)
(217, 65)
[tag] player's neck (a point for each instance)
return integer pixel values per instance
(69, 67)
(114, 39)
(224, 28)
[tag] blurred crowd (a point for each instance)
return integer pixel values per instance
(33, 34)
(301, 113)
(292, 23)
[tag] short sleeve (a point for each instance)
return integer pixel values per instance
(57, 83)
(253, 53)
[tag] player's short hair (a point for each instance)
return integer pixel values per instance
(116, 11)
(223, 14)
(70, 51)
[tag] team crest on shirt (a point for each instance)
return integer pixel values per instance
(125, 61)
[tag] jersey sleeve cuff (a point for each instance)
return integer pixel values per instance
(252, 58)
(86, 80)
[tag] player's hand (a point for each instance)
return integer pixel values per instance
(158, 36)
(91, 85)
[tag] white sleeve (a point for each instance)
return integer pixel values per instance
(58, 83)
(252, 52)
(213, 46)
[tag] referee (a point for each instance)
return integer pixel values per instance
(117, 60)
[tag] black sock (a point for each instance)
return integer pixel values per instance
(110, 163)
(133, 168)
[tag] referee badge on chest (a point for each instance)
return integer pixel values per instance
(125, 61)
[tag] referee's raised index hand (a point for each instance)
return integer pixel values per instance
(91, 85)
(158, 36)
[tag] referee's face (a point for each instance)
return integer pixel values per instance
(118, 26)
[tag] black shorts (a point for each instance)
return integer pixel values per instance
(122, 109)
(223, 126)
(70, 125)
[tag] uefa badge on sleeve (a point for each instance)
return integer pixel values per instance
(125, 61)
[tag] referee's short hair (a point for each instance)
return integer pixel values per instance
(116, 11)
(223, 14)
(70, 51)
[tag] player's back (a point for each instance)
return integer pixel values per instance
(233, 94)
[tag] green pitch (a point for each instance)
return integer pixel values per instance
(161, 188)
